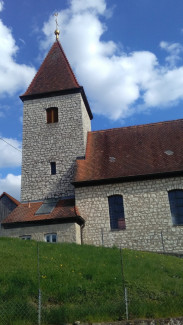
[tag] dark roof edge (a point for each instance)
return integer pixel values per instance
(61, 92)
(79, 220)
(10, 198)
(127, 179)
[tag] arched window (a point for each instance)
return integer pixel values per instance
(116, 212)
(52, 114)
(176, 206)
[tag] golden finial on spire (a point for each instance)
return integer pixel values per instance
(57, 32)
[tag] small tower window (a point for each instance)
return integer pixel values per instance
(52, 115)
(53, 168)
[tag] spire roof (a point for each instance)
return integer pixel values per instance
(55, 74)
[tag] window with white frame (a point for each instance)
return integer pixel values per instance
(51, 238)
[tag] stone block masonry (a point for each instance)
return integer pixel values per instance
(61, 142)
(147, 215)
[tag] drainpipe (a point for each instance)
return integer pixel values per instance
(82, 227)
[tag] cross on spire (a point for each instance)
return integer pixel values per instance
(57, 32)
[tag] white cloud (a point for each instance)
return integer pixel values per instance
(165, 90)
(10, 157)
(13, 76)
(115, 81)
(11, 184)
(3, 109)
(77, 6)
(174, 50)
(1, 5)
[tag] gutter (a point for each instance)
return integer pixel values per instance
(82, 227)
(130, 178)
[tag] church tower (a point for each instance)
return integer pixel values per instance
(56, 120)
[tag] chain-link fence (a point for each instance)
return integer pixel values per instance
(44, 283)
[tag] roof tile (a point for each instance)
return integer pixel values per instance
(25, 212)
(55, 74)
(132, 151)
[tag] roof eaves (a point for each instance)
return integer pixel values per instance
(79, 220)
(129, 178)
(59, 93)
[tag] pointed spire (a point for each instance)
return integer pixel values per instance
(55, 74)
(55, 77)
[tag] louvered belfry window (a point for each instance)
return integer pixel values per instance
(52, 115)
(116, 212)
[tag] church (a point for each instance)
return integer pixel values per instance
(118, 187)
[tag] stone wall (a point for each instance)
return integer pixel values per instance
(66, 233)
(61, 142)
(86, 123)
(147, 214)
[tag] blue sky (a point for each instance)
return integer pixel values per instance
(127, 54)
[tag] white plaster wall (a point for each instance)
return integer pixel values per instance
(68, 232)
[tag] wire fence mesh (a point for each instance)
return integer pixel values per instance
(68, 285)
(19, 313)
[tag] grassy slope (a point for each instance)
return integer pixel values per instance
(86, 283)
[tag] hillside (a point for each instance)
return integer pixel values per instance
(85, 283)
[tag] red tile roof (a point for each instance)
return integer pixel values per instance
(131, 152)
(25, 212)
(55, 73)
(10, 197)
(55, 76)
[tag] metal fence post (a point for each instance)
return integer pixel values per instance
(162, 240)
(124, 287)
(39, 290)
(102, 235)
(39, 308)
(126, 302)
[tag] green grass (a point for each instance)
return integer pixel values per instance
(85, 283)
